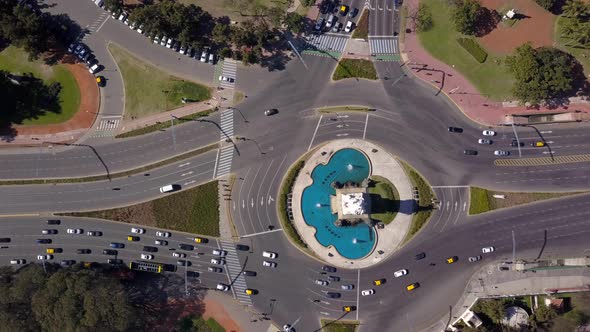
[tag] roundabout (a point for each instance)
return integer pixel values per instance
(333, 204)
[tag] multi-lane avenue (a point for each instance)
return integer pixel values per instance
(408, 119)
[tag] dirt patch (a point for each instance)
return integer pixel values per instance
(89, 105)
(216, 311)
(535, 25)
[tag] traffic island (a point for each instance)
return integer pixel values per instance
(354, 68)
(351, 203)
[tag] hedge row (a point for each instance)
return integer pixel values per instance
(283, 211)
(471, 46)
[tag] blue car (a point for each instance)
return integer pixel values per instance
(117, 245)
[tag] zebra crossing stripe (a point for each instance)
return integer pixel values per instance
(384, 45)
(234, 270)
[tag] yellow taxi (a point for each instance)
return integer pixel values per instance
(343, 10)
(413, 286)
(87, 264)
(50, 251)
(378, 282)
(199, 240)
(100, 80)
(538, 144)
(250, 291)
(452, 260)
(348, 308)
(132, 238)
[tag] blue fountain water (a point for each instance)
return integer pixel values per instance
(352, 241)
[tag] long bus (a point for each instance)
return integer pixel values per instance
(146, 266)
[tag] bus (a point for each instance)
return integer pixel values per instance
(146, 266)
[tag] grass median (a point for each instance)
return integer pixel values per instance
(482, 200)
(194, 210)
(384, 201)
(164, 125)
(149, 90)
(339, 325)
(339, 109)
(355, 68)
(424, 203)
(284, 191)
(104, 177)
(361, 31)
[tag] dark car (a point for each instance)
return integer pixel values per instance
(271, 111)
(242, 247)
(186, 247)
(214, 269)
(5, 239)
(515, 143)
(334, 278)
(333, 295)
(150, 249)
(117, 245)
(353, 12)
(470, 152)
(455, 130)
(249, 273)
(328, 268)
(182, 262)
(83, 251)
(53, 222)
(67, 262)
(43, 241)
(114, 261)
(420, 256)
(110, 252)
(192, 274)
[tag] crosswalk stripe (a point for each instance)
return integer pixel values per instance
(239, 282)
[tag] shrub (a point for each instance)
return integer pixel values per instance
(284, 191)
(547, 4)
(471, 46)
(424, 20)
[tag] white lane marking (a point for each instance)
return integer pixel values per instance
(547, 132)
(315, 132)
(450, 186)
(358, 289)
(464, 206)
(252, 202)
(185, 164)
(342, 116)
(190, 182)
(340, 135)
(243, 204)
(366, 122)
(262, 201)
(187, 173)
(105, 21)
(261, 233)
(215, 167)
(270, 199)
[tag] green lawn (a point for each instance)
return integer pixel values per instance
(491, 77)
(355, 68)
(482, 200)
(424, 204)
(339, 326)
(362, 28)
(218, 8)
(583, 56)
(387, 204)
(164, 125)
(15, 60)
(285, 189)
(149, 90)
(194, 210)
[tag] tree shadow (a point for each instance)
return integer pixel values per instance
(487, 21)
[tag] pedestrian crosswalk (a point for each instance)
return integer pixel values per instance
(229, 70)
(227, 124)
(98, 22)
(384, 45)
(234, 269)
(224, 160)
(326, 43)
(107, 126)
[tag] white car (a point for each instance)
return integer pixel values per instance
(367, 292)
(322, 282)
(163, 41)
(225, 79)
(182, 50)
(488, 133)
(400, 273)
(161, 242)
(217, 261)
(212, 58)
(163, 234)
(501, 153)
(169, 43)
(204, 56)
(156, 39)
(93, 69)
(269, 264)
(44, 257)
(487, 250)
(222, 287)
(75, 231)
(147, 256)
(269, 254)
(132, 26)
(140, 29)
(484, 141)
(218, 252)
(18, 261)
(137, 230)
(122, 17)
(348, 27)
(179, 254)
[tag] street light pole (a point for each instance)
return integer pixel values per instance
(186, 277)
(173, 134)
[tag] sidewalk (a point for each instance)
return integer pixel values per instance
(444, 77)
(234, 317)
(489, 282)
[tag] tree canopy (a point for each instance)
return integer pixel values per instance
(576, 24)
(541, 74)
(466, 15)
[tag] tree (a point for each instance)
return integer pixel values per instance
(547, 4)
(465, 16)
(542, 317)
(541, 74)
(113, 5)
(423, 18)
(493, 309)
(308, 3)
(576, 8)
(220, 33)
(276, 16)
(294, 22)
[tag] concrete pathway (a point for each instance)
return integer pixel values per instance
(391, 236)
(232, 315)
(467, 98)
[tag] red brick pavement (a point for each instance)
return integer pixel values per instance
(449, 81)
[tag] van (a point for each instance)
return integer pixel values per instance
(330, 21)
(167, 188)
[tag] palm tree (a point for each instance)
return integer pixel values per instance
(576, 8)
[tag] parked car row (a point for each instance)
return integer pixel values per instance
(330, 22)
(83, 53)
